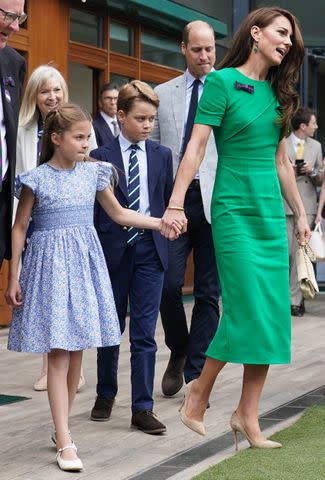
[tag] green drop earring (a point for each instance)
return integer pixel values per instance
(255, 48)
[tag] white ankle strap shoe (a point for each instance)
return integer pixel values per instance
(69, 465)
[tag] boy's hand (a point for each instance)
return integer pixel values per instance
(13, 294)
(176, 229)
(173, 220)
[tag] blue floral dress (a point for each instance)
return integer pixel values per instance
(67, 295)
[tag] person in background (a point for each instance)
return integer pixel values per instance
(12, 73)
(105, 123)
(173, 127)
(305, 154)
(46, 89)
(136, 260)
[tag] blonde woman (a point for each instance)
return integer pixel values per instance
(46, 90)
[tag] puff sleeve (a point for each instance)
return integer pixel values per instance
(106, 176)
(213, 102)
(28, 179)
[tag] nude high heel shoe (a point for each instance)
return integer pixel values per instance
(194, 425)
(237, 426)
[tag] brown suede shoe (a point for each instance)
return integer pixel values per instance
(297, 311)
(172, 380)
(147, 422)
(102, 409)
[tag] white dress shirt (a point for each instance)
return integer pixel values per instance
(5, 161)
(110, 121)
(143, 170)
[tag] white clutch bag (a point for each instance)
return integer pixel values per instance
(317, 243)
(305, 270)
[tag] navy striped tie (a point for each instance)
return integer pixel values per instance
(133, 190)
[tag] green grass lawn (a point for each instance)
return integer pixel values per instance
(302, 456)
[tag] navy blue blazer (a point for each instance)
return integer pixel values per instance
(102, 131)
(160, 181)
(12, 74)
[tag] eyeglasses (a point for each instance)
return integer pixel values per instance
(10, 17)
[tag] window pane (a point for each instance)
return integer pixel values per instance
(121, 38)
(81, 85)
(86, 28)
(119, 79)
(159, 49)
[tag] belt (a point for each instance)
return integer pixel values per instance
(195, 185)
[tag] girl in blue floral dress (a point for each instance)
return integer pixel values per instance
(63, 301)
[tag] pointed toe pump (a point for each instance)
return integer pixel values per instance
(194, 425)
(237, 426)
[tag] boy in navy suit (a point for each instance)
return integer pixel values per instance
(136, 259)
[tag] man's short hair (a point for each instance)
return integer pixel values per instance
(188, 27)
(107, 87)
(303, 115)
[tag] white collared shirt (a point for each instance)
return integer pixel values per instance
(5, 161)
(143, 170)
(109, 120)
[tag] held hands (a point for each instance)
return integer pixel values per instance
(13, 294)
(303, 230)
(173, 223)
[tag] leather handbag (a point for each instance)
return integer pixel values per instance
(317, 243)
(305, 270)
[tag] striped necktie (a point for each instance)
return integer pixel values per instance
(133, 190)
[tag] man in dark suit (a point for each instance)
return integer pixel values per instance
(12, 72)
(136, 260)
(105, 123)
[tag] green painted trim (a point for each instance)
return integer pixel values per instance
(165, 13)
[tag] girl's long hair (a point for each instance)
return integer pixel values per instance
(60, 120)
(283, 77)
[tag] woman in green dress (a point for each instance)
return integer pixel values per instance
(248, 103)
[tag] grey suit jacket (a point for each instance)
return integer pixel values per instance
(168, 131)
(307, 184)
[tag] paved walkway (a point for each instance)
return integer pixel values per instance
(112, 450)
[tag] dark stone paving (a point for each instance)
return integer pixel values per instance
(188, 458)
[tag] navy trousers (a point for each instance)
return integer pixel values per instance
(5, 219)
(139, 279)
(192, 342)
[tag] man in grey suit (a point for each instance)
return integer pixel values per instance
(305, 154)
(173, 127)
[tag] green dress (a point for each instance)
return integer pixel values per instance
(248, 221)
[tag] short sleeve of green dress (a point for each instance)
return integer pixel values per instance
(248, 221)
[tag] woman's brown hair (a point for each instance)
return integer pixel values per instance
(58, 121)
(283, 77)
